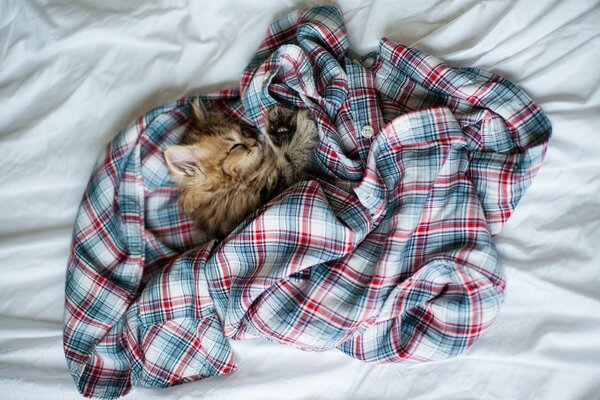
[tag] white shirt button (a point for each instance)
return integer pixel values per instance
(367, 131)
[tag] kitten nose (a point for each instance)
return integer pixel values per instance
(251, 142)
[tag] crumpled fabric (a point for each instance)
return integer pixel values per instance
(386, 255)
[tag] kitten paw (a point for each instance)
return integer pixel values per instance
(281, 124)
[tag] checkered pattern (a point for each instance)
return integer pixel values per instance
(387, 255)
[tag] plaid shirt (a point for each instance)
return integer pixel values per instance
(387, 255)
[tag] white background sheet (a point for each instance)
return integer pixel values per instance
(74, 73)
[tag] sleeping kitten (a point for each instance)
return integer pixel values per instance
(225, 171)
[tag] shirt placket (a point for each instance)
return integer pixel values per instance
(362, 104)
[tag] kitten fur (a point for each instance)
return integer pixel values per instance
(225, 171)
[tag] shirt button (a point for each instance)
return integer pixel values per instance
(367, 131)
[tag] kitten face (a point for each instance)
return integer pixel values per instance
(215, 153)
(225, 172)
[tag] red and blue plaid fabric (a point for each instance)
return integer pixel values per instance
(387, 255)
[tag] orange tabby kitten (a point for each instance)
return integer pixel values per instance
(225, 171)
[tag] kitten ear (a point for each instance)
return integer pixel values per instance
(197, 113)
(181, 161)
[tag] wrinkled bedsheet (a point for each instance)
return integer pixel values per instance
(387, 254)
(73, 74)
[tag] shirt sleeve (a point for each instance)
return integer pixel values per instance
(506, 133)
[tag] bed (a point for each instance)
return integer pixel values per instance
(72, 75)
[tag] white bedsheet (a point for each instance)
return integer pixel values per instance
(73, 73)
